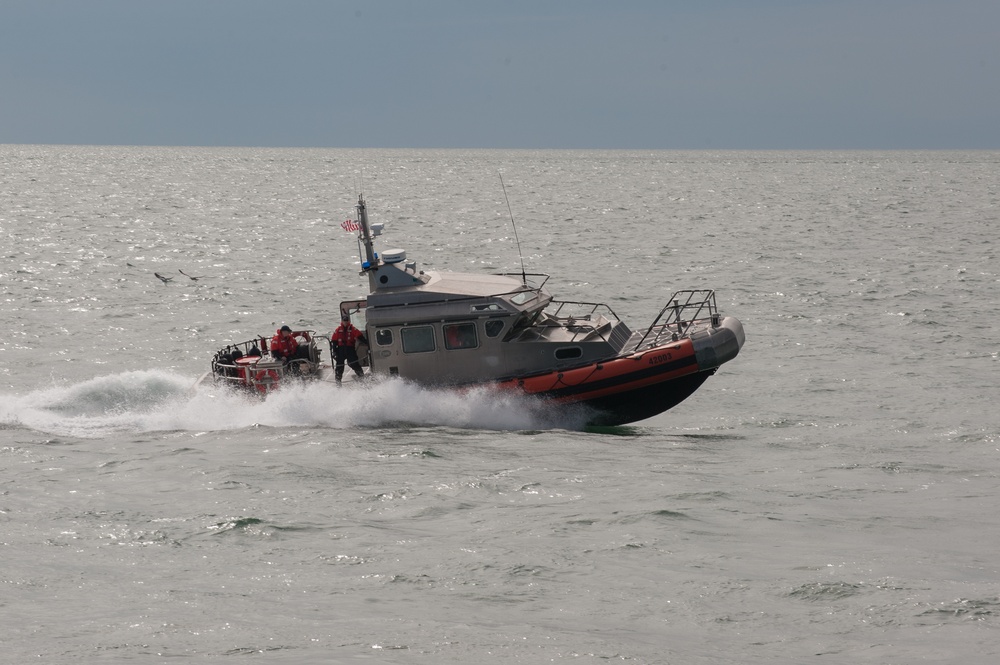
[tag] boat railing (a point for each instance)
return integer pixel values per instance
(224, 365)
(226, 368)
(538, 277)
(684, 309)
(584, 319)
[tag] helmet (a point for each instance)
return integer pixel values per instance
(285, 329)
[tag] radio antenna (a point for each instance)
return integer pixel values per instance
(524, 276)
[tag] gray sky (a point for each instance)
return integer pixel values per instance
(739, 74)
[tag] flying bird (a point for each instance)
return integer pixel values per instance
(191, 277)
(162, 278)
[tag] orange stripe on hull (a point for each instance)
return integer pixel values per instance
(612, 377)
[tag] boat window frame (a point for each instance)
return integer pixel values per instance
(407, 332)
(526, 320)
(468, 337)
(381, 334)
(523, 297)
(490, 324)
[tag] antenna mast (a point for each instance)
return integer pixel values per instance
(370, 262)
(524, 276)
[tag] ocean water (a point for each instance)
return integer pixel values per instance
(830, 495)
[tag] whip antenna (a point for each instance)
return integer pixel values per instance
(524, 276)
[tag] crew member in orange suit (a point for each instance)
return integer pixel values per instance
(343, 347)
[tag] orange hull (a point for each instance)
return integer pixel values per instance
(623, 389)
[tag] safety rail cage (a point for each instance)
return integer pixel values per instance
(684, 309)
(581, 317)
(229, 371)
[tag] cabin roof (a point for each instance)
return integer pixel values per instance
(441, 285)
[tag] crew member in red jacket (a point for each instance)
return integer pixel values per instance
(343, 347)
(284, 345)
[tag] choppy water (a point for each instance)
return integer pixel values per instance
(831, 494)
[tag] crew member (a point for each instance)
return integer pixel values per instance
(343, 346)
(284, 346)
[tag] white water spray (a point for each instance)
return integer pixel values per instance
(157, 401)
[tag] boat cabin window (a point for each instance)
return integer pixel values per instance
(523, 297)
(494, 327)
(383, 337)
(417, 339)
(526, 320)
(460, 336)
(568, 352)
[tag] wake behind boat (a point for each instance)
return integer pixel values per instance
(465, 329)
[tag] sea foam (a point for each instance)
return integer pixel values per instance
(158, 401)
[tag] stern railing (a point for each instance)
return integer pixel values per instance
(226, 369)
(224, 365)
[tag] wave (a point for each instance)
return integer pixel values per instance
(159, 401)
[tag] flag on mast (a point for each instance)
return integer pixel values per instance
(350, 225)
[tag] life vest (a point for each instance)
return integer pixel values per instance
(345, 335)
(283, 346)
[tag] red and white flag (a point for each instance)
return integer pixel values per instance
(350, 226)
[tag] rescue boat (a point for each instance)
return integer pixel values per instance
(506, 331)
